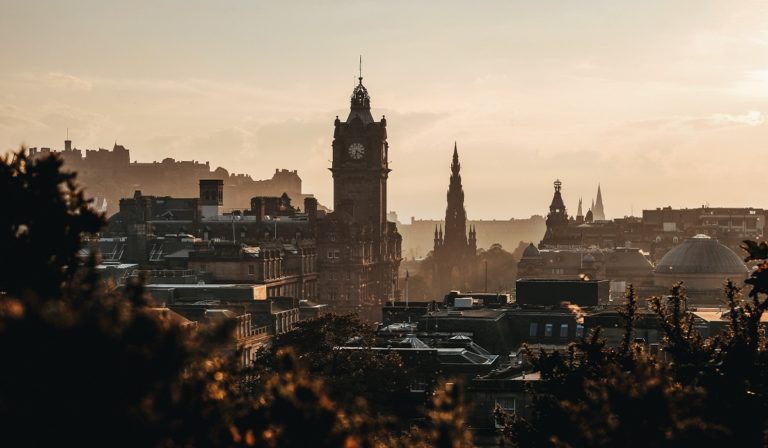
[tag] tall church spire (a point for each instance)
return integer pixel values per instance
(579, 213)
(598, 211)
(455, 215)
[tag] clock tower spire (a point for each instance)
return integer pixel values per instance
(360, 162)
(362, 248)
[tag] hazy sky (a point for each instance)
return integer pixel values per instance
(663, 102)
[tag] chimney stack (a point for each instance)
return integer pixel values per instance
(211, 197)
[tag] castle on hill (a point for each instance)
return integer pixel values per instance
(109, 175)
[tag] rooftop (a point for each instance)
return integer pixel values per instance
(701, 255)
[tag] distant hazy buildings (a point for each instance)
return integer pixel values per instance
(683, 243)
(111, 175)
(656, 232)
(666, 227)
(418, 234)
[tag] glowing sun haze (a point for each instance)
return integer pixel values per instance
(662, 102)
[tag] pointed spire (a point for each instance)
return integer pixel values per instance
(360, 102)
(578, 211)
(599, 211)
(455, 214)
(455, 165)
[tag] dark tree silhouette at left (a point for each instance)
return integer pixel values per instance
(43, 216)
(82, 364)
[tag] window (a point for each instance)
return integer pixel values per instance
(251, 269)
(563, 330)
(548, 330)
(203, 267)
(533, 330)
(579, 330)
(508, 404)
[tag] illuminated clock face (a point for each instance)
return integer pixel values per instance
(356, 151)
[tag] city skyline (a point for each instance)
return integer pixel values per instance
(526, 91)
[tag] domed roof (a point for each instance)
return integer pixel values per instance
(701, 255)
(531, 252)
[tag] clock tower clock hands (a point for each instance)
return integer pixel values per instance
(356, 151)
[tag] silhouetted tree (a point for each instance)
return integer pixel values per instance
(501, 266)
(518, 252)
(89, 365)
(44, 215)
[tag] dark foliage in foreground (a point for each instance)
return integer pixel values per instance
(44, 214)
(704, 392)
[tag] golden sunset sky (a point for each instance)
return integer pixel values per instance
(663, 102)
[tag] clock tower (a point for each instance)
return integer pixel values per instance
(359, 251)
(360, 163)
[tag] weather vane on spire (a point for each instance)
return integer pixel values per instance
(360, 68)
